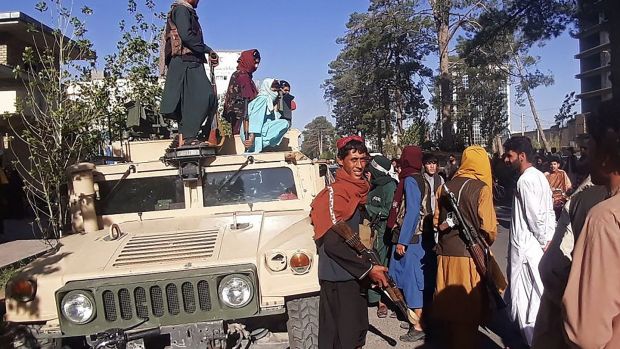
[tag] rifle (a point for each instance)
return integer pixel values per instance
(479, 250)
(353, 240)
(212, 137)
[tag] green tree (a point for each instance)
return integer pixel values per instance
(417, 133)
(376, 81)
(131, 72)
(480, 103)
(505, 35)
(56, 123)
(450, 17)
(319, 138)
(566, 111)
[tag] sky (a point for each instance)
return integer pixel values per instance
(297, 41)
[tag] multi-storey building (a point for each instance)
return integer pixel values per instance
(470, 102)
(594, 55)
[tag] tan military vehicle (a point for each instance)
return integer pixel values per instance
(196, 250)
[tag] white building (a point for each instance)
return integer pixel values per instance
(227, 66)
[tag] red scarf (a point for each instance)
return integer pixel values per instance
(247, 62)
(410, 164)
(349, 193)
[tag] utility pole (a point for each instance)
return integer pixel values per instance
(522, 124)
(320, 142)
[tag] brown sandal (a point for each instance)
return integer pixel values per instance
(382, 311)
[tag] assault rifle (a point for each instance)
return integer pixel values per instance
(392, 291)
(479, 250)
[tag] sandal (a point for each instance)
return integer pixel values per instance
(382, 311)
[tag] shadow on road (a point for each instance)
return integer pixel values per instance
(391, 341)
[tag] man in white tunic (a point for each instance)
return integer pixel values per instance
(531, 229)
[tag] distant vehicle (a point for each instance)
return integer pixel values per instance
(194, 249)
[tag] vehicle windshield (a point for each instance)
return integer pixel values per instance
(248, 186)
(140, 195)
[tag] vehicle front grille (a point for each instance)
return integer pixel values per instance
(162, 299)
(167, 247)
(156, 300)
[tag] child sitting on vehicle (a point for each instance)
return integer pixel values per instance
(265, 128)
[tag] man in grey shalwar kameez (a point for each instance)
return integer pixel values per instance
(188, 96)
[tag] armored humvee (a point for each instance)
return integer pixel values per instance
(205, 249)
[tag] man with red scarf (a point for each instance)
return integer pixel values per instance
(343, 313)
(241, 89)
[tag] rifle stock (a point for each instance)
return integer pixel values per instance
(392, 291)
(479, 251)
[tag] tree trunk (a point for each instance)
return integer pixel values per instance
(379, 136)
(530, 98)
(441, 14)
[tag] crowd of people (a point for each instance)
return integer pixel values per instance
(260, 116)
(557, 294)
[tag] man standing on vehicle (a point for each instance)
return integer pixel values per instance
(531, 229)
(343, 314)
(188, 96)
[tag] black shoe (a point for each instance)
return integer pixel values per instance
(413, 335)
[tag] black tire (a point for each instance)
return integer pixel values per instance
(24, 337)
(303, 323)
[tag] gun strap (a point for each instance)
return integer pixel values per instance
(458, 200)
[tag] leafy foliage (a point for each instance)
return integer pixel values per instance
(566, 111)
(131, 73)
(480, 103)
(416, 133)
(376, 81)
(319, 139)
(506, 34)
(535, 20)
(53, 127)
(450, 18)
(65, 116)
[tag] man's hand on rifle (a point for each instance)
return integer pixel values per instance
(250, 141)
(378, 275)
(214, 59)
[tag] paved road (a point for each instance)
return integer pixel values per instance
(390, 327)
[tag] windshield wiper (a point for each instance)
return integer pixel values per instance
(131, 169)
(249, 160)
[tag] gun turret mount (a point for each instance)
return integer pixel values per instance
(189, 159)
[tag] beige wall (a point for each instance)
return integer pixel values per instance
(4, 54)
(7, 101)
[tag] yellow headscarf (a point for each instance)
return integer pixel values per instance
(475, 164)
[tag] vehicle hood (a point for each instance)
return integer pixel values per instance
(151, 246)
(162, 245)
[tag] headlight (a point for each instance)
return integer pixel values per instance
(236, 291)
(78, 307)
(22, 290)
(276, 260)
(301, 262)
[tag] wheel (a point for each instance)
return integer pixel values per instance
(303, 323)
(24, 337)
